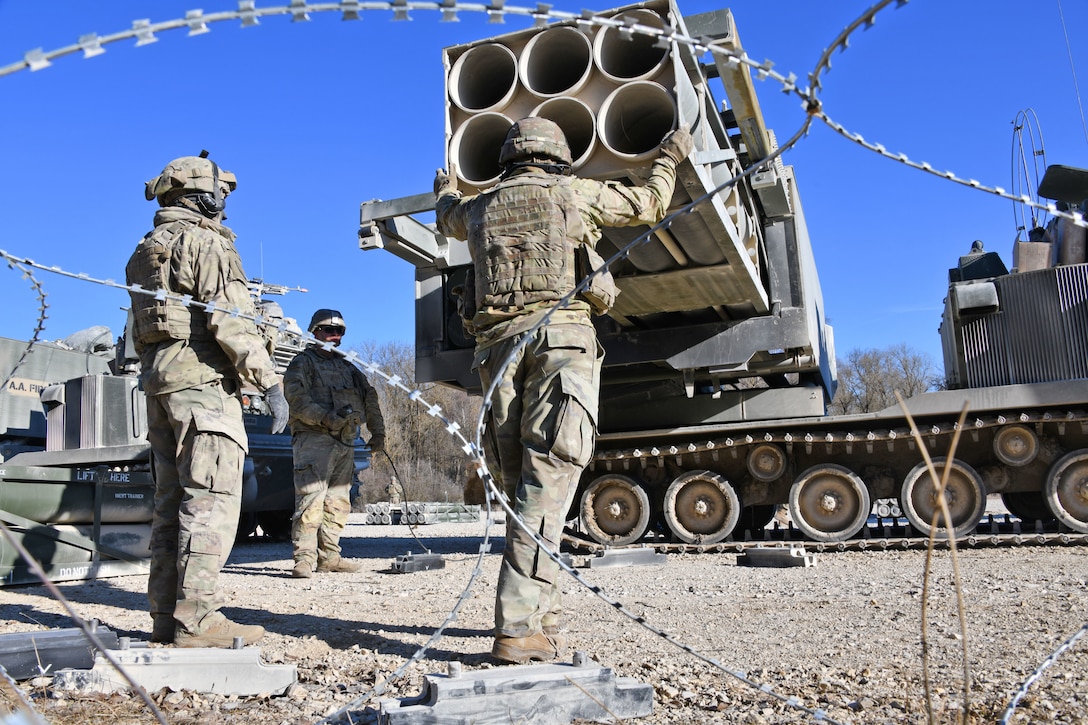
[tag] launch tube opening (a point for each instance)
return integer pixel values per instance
(556, 61)
(576, 120)
(475, 148)
(635, 118)
(629, 56)
(484, 78)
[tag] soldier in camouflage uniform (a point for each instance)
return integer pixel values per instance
(329, 398)
(193, 365)
(531, 238)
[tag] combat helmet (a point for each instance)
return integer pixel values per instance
(535, 138)
(326, 317)
(196, 176)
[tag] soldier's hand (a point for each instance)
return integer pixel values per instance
(377, 444)
(333, 421)
(677, 144)
(444, 183)
(278, 405)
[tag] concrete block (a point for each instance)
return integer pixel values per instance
(776, 556)
(626, 557)
(218, 671)
(548, 694)
(29, 654)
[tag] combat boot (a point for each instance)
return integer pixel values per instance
(337, 564)
(162, 631)
(302, 570)
(220, 634)
(539, 647)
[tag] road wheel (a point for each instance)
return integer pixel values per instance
(701, 507)
(615, 510)
(1067, 490)
(829, 502)
(965, 494)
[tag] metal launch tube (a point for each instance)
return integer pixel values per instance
(576, 120)
(557, 61)
(629, 56)
(634, 118)
(484, 78)
(474, 150)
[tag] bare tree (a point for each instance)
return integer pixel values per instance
(428, 461)
(869, 379)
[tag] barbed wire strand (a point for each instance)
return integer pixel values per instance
(1051, 659)
(88, 632)
(39, 324)
(196, 22)
(27, 707)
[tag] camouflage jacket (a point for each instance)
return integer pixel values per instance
(196, 257)
(317, 386)
(599, 203)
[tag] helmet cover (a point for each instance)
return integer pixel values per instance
(535, 137)
(192, 174)
(326, 317)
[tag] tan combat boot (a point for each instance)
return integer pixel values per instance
(302, 570)
(337, 564)
(538, 647)
(220, 634)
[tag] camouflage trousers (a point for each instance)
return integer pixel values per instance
(198, 441)
(539, 437)
(323, 471)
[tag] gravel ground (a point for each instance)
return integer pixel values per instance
(843, 636)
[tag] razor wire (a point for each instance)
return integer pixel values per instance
(39, 325)
(249, 15)
(197, 23)
(1051, 659)
(393, 380)
(88, 631)
(474, 450)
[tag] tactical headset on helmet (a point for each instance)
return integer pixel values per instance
(196, 177)
(327, 317)
(535, 138)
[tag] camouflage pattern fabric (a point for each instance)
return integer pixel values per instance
(540, 433)
(321, 387)
(197, 439)
(203, 263)
(600, 204)
(540, 430)
(323, 471)
(328, 397)
(192, 379)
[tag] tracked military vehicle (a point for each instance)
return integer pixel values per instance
(75, 472)
(719, 362)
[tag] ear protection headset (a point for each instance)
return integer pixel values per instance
(210, 204)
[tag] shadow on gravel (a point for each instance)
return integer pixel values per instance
(343, 633)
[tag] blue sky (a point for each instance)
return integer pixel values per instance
(316, 117)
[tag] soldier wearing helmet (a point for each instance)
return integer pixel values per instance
(194, 364)
(532, 238)
(329, 399)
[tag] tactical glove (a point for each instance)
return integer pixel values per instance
(333, 421)
(278, 405)
(444, 183)
(677, 144)
(377, 444)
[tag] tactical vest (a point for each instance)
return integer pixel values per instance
(332, 384)
(521, 246)
(161, 319)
